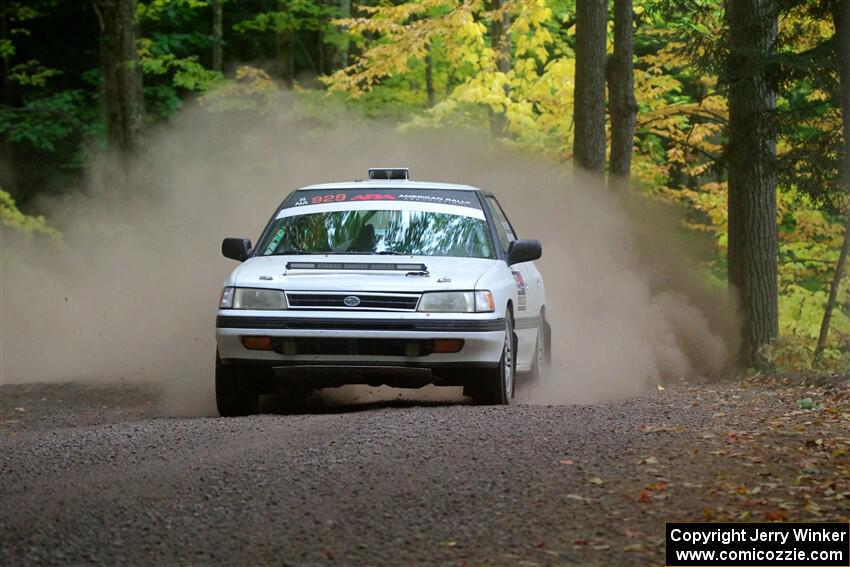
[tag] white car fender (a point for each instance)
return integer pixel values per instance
(498, 279)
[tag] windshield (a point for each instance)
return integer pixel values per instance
(402, 232)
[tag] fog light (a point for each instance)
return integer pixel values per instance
(257, 343)
(411, 349)
(448, 345)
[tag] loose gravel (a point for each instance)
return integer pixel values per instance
(101, 478)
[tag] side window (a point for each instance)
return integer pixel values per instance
(503, 227)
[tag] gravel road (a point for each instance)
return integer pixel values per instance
(96, 475)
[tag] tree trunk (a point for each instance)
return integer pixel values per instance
(285, 47)
(318, 63)
(320, 52)
(122, 78)
(8, 163)
(500, 37)
(8, 92)
(285, 56)
(429, 78)
(589, 109)
(841, 17)
(341, 54)
(752, 252)
(840, 267)
(217, 13)
(499, 33)
(621, 95)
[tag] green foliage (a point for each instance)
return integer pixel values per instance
(793, 354)
(46, 122)
(293, 15)
(51, 110)
(17, 15)
(31, 73)
(250, 90)
(12, 217)
(682, 119)
(157, 10)
(168, 53)
(295, 18)
(186, 72)
(48, 110)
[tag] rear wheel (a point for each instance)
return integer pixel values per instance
(236, 392)
(496, 386)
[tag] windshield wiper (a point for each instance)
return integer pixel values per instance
(338, 253)
(293, 253)
(363, 253)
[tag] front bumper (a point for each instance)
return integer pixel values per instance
(483, 338)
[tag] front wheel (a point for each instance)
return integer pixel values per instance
(236, 392)
(496, 386)
(541, 352)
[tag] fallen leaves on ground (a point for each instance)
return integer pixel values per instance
(767, 450)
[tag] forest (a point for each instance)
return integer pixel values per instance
(735, 112)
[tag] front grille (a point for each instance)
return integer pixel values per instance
(355, 347)
(364, 301)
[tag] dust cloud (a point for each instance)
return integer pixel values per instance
(130, 293)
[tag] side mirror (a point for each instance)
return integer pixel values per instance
(236, 248)
(520, 251)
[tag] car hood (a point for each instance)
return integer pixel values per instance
(442, 273)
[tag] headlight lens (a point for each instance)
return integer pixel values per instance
(226, 301)
(252, 298)
(457, 302)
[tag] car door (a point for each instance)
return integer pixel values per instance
(529, 290)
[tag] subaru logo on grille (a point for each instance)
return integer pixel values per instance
(351, 301)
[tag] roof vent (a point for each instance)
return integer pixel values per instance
(389, 173)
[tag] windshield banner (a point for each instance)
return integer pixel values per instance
(435, 196)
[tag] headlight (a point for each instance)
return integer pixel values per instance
(226, 301)
(252, 298)
(457, 302)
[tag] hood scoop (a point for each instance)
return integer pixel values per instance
(357, 266)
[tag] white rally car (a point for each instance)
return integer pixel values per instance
(385, 281)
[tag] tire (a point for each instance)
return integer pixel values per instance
(236, 393)
(293, 400)
(541, 352)
(496, 386)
